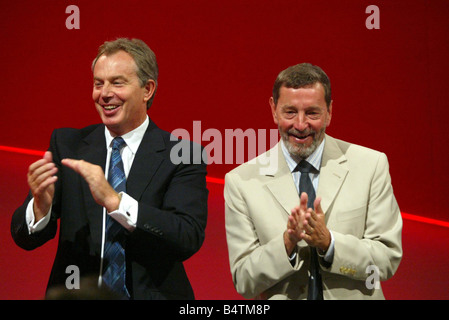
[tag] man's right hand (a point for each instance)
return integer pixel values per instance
(295, 228)
(41, 180)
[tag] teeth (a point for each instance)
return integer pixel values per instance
(300, 137)
(112, 107)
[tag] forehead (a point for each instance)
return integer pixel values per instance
(119, 62)
(310, 94)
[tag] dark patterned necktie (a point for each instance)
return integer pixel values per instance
(305, 185)
(114, 253)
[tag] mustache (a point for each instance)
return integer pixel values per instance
(299, 133)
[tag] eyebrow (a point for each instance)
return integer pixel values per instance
(288, 106)
(314, 108)
(118, 77)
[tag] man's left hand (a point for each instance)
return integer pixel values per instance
(314, 224)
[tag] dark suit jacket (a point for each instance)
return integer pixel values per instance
(171, 218)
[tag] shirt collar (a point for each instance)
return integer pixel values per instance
(132, 138)
(314, 159)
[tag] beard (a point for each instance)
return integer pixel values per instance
(298, 150)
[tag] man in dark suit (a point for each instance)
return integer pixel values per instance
(162, 210)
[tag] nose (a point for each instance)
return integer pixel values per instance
(106, 93)
(301, 122)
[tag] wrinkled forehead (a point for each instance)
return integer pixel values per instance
(120, 63)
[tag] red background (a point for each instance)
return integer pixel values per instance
(218, 61)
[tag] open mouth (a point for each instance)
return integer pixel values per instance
(300, 135)
(110, 107)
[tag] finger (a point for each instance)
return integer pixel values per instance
(307, 238)
(308, 229)
(317, 205)
(44, 175)
(306, 222)
(293, 235)
(45, 184)
(73, 164)
(92, 174)
(41, 173)
(298, 215)
(41, 168)
(45, 159)
(35, 165)
(294, 211)
(291, 222)
(303, 201)
(314, 214)
(48, 156)
(311, 218)
(307, 225)
(304, 236)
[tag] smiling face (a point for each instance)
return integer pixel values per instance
(119, 98)
(302, 117)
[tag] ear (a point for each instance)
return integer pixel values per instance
(329, 114)
(273, 110)
(150, 87)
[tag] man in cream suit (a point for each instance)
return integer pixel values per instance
(356, 225)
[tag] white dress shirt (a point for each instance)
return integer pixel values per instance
(127, 212)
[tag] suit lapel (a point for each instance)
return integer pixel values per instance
(93, 150)
(146, 161)
(332, 173)
(282, 185)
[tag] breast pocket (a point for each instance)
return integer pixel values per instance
(351, 222)
(351, 214)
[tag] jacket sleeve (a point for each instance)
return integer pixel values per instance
(172, 215)
(380, 245)
(19, 228)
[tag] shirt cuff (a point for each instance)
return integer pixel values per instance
(33, 226)
(329, 255)
(126, 214)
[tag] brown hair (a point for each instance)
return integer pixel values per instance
(302, 75)
(144, 57)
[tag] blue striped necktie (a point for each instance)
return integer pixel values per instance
(114, 253)
(315, 291)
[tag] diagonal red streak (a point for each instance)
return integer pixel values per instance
(413, 217)
(22, 151)
(406, 216)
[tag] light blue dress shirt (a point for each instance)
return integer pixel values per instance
(315, 160)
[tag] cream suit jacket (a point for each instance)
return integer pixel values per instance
(360, 209)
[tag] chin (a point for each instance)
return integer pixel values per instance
(300, 150)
